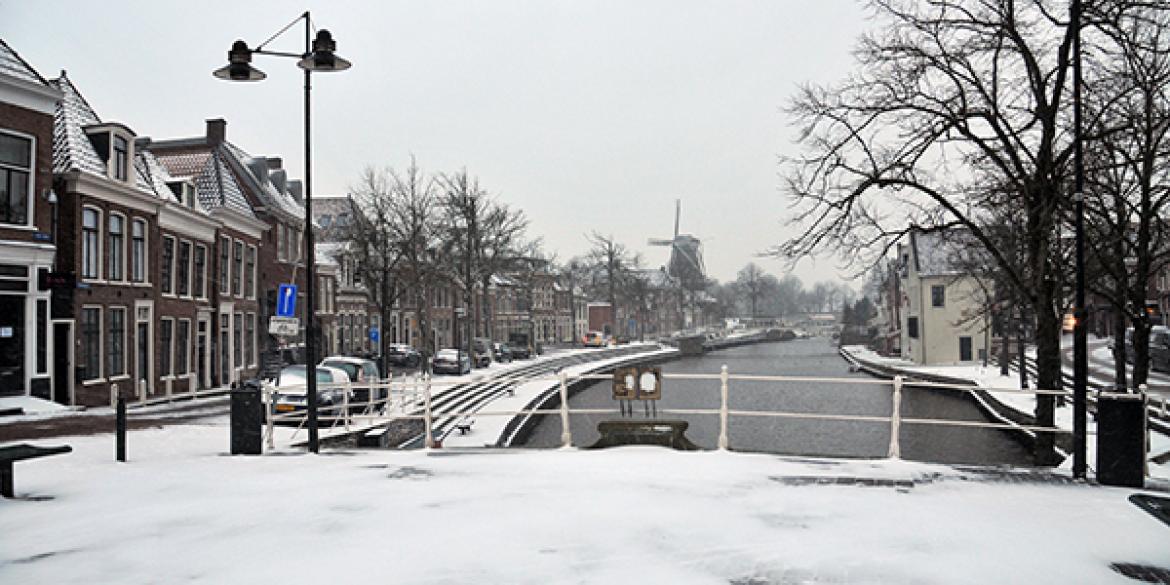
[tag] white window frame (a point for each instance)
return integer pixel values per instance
(199, 294)
(187, 349)
(162, 263)
(223, 265)
(167, 347)
(109, 253)
(97, 258)
(239, 272)
(251, 358)
(281, 245)
(188, 268)
(145, 252)
(251, 284)
(126, 323)
(101, 344)
(30, 220)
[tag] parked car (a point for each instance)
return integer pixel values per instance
(594, 339)
(1159, 348)
(481, 352)
(451, 361)
(358, 370)
(518, 343)
(403, 356)
(291, 389)
(501, 352)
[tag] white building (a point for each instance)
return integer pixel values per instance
(942, 321)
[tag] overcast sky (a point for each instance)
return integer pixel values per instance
(586, 115)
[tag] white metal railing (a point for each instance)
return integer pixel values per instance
(403, 395)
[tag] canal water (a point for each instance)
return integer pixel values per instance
(815, 357)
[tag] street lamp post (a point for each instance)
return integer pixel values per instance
(319, 55)
(1080, 337)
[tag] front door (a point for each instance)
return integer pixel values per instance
(143, 344)
(12, 333)
(63, 363)
(964, 349)
(202, 364)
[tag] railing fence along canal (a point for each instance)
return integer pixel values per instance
(434, 401)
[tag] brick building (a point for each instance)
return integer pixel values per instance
(28, 348)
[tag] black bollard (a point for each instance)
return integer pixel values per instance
(120, 429)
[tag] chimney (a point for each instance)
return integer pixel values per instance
(275, 162)
(295, 189)
(142, 143)
(216, 131)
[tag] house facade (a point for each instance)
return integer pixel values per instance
(941, 306)
(29, 350)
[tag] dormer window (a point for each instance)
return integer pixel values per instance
(184, 192)
(114, 144)
(121, 154)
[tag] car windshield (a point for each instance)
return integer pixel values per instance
(295, 376)
(351, 369)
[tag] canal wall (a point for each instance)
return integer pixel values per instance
(988, 403)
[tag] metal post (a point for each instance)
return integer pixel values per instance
(269, 412)
(566, 433)
(345, 404)
(120, 430)
(723, 377)
(1080, 335)
(310, 261)
(427, 422)
(895, 451)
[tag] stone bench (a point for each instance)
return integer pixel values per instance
(13, 453)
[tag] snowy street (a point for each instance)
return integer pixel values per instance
(183, 511)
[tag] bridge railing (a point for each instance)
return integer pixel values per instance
(412, 398)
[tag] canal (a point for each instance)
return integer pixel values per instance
(815, 357)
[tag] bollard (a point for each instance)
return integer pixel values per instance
(723, 377)
(566, 433)
(895, 451)
(430, 436)
(119, 427)
(269, 413)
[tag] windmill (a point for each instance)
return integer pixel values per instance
(686, 256)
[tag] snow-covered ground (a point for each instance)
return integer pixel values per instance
(183, 511)
(989, 378)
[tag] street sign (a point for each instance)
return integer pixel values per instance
(286, 326)
(286, 300)
(374, 334)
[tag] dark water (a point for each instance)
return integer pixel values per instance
(809, 357)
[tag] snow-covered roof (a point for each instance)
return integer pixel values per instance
(215, 184)
(327, 252)
(72, 149)
(12, 65)
(937, 253)
(154, 175)
(272, 186)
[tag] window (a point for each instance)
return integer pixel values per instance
(237, 332)
(184, 286)
(912, 327)
(138, 251)
(116, 342)
(115, 250)
(42, 336)
(90, 219)
(250, 273)
(238, 271)
(225, 325)
(224, 250)
(166, 328)
(182, 347)
(16, 155)
(90, 355)
(200, 271)
(250, 339)
(121, 157)
(281, 250)
(938, 295)
(167, 271)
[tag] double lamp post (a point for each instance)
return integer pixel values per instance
(318, 56)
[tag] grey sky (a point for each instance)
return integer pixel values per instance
(587, 115)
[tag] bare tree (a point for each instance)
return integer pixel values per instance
(751, 285)
(611, 261)
(953, 97)
(369, 240)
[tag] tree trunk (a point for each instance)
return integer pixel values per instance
(1022, 350)
(1048, 371)
(1120, 365)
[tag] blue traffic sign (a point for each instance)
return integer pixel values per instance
(374, 334)
(286, 300)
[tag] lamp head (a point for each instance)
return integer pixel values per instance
(239, 67)
(324, 57)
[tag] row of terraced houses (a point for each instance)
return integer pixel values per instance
(150, 267)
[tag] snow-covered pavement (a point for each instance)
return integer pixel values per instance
(183, 511)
